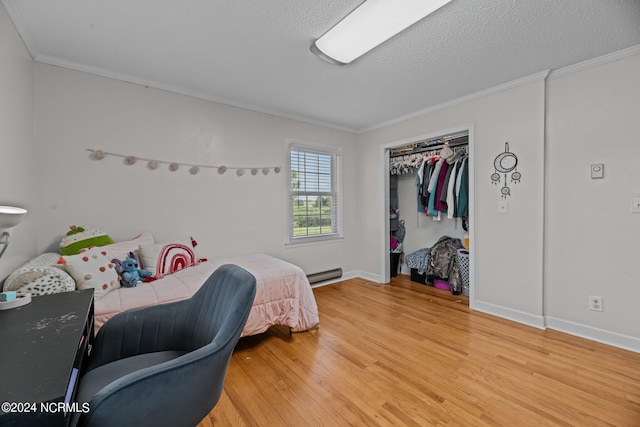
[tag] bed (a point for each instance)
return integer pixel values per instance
(284, 295)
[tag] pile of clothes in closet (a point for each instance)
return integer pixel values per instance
(439, 262)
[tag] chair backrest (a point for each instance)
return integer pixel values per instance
(182, 391)
(206, 320)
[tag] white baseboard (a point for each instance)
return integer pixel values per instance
(369, 276)
(537, 321)
(594, 334)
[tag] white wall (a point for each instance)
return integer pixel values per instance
(422, 230)
(557, 128)
(227, 214)
(18, 168)
(508, 248)
(583, 227)
(592, 236)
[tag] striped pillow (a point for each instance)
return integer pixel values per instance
(166, 258)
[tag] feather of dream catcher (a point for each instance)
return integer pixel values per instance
(505, 163)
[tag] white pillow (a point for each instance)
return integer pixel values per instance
(167, 258)
(40, 276)
(92, 269)
(121, 250)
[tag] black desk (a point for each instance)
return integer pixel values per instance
(42, 349)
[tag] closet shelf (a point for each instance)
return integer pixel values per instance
(431, 145)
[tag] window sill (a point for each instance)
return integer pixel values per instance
(312, 241)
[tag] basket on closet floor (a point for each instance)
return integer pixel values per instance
(463, 263)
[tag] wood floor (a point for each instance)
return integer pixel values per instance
(406, 354)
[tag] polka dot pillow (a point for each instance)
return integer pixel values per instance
(92, 269)
(40, 276)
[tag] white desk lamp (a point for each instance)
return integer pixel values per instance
(10, 216)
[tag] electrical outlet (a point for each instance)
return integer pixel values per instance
(595, 303)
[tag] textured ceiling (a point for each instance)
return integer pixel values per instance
(255, 54)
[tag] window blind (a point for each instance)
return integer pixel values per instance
(314, 193)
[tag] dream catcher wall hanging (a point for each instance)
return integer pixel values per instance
(505, 163)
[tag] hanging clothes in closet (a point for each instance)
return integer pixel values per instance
(442, 191)
(442, 184)
(442, 180)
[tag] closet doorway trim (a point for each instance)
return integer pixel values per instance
(384, 170)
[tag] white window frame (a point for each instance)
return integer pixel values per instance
(335, 193)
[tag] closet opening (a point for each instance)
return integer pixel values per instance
(428, 230)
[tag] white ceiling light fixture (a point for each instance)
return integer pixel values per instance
(369, 25)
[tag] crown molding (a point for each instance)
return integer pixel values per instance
(23, 31)
(548, 74)
(101, 72)
(542, 75)
(595, 62)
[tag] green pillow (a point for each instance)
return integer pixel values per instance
(82, 237)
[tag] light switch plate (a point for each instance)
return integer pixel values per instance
(597, 170)
(503, 207)
(635, 205)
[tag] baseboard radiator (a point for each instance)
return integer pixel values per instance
(336, 273)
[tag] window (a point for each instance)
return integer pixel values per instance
(314, 202)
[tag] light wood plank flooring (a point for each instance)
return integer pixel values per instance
(405, 354)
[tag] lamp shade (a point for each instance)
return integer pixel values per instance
(10, 216)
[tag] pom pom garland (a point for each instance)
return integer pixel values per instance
(194, 169)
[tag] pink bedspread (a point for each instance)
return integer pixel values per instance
(284, 296)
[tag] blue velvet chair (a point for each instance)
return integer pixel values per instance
(165, 365)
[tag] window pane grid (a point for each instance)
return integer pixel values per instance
(312, 194)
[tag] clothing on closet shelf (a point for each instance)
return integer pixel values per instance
(408, 163)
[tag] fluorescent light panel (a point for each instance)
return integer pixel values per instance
(372, 23)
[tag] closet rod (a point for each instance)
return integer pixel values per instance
(432, 145)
